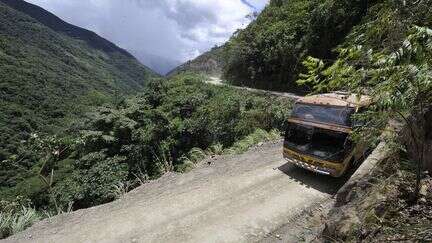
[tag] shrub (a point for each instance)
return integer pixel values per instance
(16, 217)
(170, 126)
(253, 139)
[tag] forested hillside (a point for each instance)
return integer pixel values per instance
(209, 63)
(268, 54)
(388, 55)
(50, 72)
(70, 138)
(170, 126)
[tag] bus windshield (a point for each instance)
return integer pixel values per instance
(323, 114)
(320, 143)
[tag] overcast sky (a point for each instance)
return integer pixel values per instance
(172, 29)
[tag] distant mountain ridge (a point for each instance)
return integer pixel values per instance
(55, 23)
(159, 64)
(269, 52)
(52, 71)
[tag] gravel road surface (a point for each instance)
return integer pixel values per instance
(238, 198)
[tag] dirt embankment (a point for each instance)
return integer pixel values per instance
(239, 198)
(379, 207)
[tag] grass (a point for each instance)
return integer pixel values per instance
(120, 189)
(196, 154)
(253, 139)
(14, 222)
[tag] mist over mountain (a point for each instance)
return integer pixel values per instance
(159, 64)
(167, 30)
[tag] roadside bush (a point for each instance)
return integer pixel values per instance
(16, 217)
(268, 53)
(253, 139)
(170, 126)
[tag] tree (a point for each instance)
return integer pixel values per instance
(400, 82)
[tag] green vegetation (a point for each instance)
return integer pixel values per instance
(209, 63)
(398, 76)
(49, 81)
(148, 135)
(389, 57)
(170, 126)
(15, 217)
(269, 52)
(70, 140)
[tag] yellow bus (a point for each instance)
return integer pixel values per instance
(318, 133)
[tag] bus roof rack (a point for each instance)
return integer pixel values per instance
(338, 98)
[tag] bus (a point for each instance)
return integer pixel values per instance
(318, 138)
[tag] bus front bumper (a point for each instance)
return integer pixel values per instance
(316, 169)
(313, 165)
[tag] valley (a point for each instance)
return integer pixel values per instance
(97, 147)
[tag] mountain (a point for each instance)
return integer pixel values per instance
(50, 71)
(55, 23)
(271, 51)
(157, 63)
(268, 54)
(209, 63)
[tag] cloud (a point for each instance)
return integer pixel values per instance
(171, 29)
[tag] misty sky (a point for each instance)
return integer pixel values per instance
(174, 30)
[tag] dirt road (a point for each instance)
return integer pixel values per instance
(218, 81)
(238, 198)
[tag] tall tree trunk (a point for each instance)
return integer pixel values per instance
(419, 143)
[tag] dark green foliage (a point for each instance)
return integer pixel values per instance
(148, 135)
(48, 78)
(117, 146)
(91, 181)
(387, 24)
(389, 57)
(268, 53)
